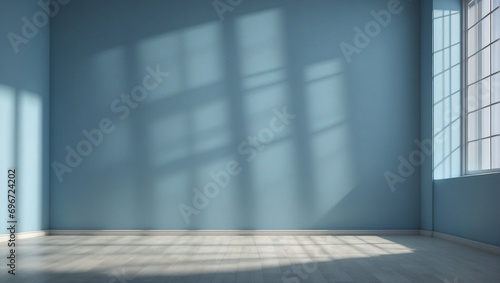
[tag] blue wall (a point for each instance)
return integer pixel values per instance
(469, 207)
(426, 71)
(323, 170)
(24, 112)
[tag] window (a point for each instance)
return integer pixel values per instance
(481, 134)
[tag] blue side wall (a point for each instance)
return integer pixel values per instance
(323, 170)
(426, 176)
(469, 207)
(24, 112)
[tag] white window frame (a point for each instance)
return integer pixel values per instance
(465, 84)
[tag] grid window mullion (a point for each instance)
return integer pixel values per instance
(479, 145)
(489, 80)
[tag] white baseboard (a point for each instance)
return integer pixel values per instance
(229, 232)
(467, 242)
(24, 235)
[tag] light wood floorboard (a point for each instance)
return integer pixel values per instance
(249, 259)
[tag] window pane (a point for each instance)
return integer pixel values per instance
(495, 152)
(484, 7)
(495, 88)
(472, 97)
(484, 92)
(472, 69)
(495, 24)
(495, 3)
(472, 126)
(478, 66)
(485, 154)
(472, 156)
(484, 32)
(484, 63)
(495, 50)
(478, 95)
(495, 119)
(478, 157)
(472, 41)
(484, 116)
(478, 124)
(478, 36)
(471, 13)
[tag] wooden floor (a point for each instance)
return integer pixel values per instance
(285, 259)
